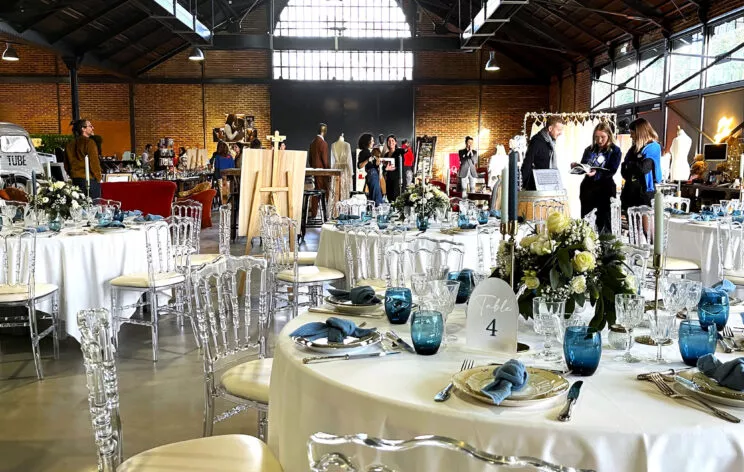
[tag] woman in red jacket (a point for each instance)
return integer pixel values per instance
(408, 161)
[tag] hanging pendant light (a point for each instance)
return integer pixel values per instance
(10, 54)
(196, 54)
(491, 65)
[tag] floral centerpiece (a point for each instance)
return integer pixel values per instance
(569, 262)
(424, 199)
(57, 198)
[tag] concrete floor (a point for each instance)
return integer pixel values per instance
(45, 425)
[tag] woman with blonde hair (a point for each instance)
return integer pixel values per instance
(598, 186)
(642, 166)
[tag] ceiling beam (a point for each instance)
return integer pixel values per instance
(549, 33)
(572, 21)
(651, 13)
(262, 41)
(521, 61)
(173, 52)
(88, 19)
(40, 17)
(622, 26)
(97, 41)
(138, 45)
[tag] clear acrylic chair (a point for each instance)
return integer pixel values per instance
(237, 453)
(489, 239)
(402, 260)
(19, 288)
(168, 267)
(678, 203)
(265, 212)
(322, 461)
(730, 246)
(637, 260)
(231, 308)
(591, 219)
(541, 209)
(286, 276)
(364, 250)
(616, 218)
(448, 254)
(105, 201)
(355, 207)
(190, 209)
(223, 239)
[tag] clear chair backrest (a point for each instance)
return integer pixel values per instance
(355, 207)
(183, 231)
(402, 260)
(16, 210)
(541, 209)
(616, 219)
(450, 254)
(364, 250)
(489, 239)
(637, 260)
(163, 256)
(321, 461)
(224, 228)
(730, 245)
(591, 219)
(191, 209)
(641, 226)
(230, 303)
(678, 203)
(105, 201)
(265, 212)
(280, 250)
(96, 344)
(18, 259)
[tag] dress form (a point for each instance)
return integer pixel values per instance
(680, 150)
(342, 159)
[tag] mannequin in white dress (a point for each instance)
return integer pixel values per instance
(680, 150)
(341, 156)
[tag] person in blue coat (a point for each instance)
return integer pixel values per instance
(598, 186)
(641, 168)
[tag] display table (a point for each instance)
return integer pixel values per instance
(619, 423)
(700, 194)
(698, 243)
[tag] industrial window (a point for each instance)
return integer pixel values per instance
(626, 70)
(350, 19)
(651, 80)
(724, 38)
(685, 61)
(602, 88)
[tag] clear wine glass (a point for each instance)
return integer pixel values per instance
(420, 285)
(76, 214)
(629, 310)
(661, 327)
(548, 316)
(674, 293)
(444, 296)
(694, 290)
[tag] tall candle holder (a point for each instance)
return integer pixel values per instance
(658, 264)
(513, 227)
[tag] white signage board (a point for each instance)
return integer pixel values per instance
(492, 317)
(547, 180)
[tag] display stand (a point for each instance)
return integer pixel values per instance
(269, 177)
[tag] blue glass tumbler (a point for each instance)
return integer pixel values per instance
(582, 347)
(463, 222)
(713, 308)
(398, 303)
(483, 216)
(382, 221)
(695, 341)
(422, 222)
(465, 277)
(427, 328)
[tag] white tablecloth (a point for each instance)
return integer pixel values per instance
(82, 266)
(619, 423)
(697, 243)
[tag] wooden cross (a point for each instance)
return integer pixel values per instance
(276, 138)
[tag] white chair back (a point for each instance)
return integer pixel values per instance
(641, 226)
(224, 229)
(730, 235)
(18, 259)
(191, 209)
(678, 203)
(163, 255)
(364, 249)
(616, 221)
(96, 343)
(321, 461)
(489, 238)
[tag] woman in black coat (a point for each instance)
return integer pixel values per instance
(372, 166)
(392, 171)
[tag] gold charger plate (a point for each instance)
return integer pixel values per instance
(710, 390)
(543, 388)
(349, 344)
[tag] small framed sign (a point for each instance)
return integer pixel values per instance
(547, 179)
(492, 317)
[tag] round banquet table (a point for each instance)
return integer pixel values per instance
(618, 424)
(698, 243)
(82, 265)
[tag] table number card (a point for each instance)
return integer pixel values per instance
(492, 317)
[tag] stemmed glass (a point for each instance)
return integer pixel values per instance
(724, 206)
(661, 327)
(674, 293)
(716, 210)
(629, 310)
(443, 297)
(479, 276)
(76, 214)
(420, 286)
(694, 290)
(548, 315)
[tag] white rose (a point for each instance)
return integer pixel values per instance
(45, 200)
(589, 243)
(75, 204)
(584, 261)
(578, 284)
(528, 240)
(542, 247)
(75, 194)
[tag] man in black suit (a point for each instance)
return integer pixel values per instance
(541, 151)
(468, 161)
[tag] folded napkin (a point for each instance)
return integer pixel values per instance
(675, 211)
(111, 224)
(704, 216)
(358, 295)
(496, 213)
(729, 374)
(149, 217)
(335, 329)
(129, 213)
(347, 217)
(724, 286)
(508, 378)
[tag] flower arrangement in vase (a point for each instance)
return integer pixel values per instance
(57, 198)
(569, 261)
(423, 199)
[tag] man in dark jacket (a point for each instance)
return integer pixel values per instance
(318, 156)
(541, 151)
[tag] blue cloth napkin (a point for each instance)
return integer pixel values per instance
(496, 213)
(728, 374)
(111, 224)
(704, 216)
(364, 295)
(149, 217)
(335, 329)
(42, 229)
(508, 378)
(347, 217)
(724, 286)
(129, 213)
(674, 211)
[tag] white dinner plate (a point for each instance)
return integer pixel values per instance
(708, 389)
(543, 388)
(350, 344)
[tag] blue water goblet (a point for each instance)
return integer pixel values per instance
(582, 347)
(382, 221)
(713, 308)
(398, 303)
(695, 341)
(483, 216)
(465, 277)
(427, 328)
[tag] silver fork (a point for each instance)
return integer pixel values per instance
(444, 394)
(728, 335)
(667, 390)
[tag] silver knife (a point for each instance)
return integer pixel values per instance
(573, 395)
(399, 341)
(346, 357)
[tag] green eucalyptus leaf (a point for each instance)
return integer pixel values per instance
(564, 262)
(555, 278)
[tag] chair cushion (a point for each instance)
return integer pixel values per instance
(310, 274)
(228, 453)
(249, 380)
(142, 280)
(18, 293)
(306, 257)
(734, 276)
(201, 259)
(673, 263)
(205, 198)
(379, 285)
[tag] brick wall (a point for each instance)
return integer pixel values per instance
(168, 111)
(248, 99)
(33, 106)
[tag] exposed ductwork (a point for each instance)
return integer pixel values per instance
(488, 21)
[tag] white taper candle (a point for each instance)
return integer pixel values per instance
(658, 223)
(505, 193)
